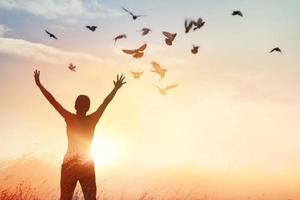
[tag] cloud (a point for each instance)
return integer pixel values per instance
(271, 88)
(67, 11)
(3, 29)
(40, 52)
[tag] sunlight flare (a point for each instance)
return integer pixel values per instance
(105, 151)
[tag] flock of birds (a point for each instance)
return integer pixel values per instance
(169, 39)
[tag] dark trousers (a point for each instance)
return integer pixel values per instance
(73, 171)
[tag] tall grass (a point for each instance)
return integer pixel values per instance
(20, 192)
(24, 191)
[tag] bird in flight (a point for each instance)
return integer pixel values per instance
(91, 28)
(237, 12)
(194, 50)
(163, 91)
(136, 53)
(119, 37)
(158, 69)
(276, 49)
(198, 24)
(51, 35)
(72, 67)
(145, 31)
(134, 17)
(187, 25)
(136, 75)
(169, 37)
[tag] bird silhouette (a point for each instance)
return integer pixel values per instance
(91, 28)
(237, 12)
(136, 53)
(198, 24)
(145, 31)
(119, 37)
(51, 35)
(187, 25)
(276, 49)
(72, 67)
(136, 75)
(194, 50)
(158, 69)
(134, 17)
(169, 37)
(163, 91)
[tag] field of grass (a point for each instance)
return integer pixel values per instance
(29, 178)
(25, 192)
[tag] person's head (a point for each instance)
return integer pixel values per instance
(82, 104)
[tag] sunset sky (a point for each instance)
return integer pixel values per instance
(237, 106)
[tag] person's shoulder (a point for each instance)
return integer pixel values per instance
(70, 116)
(91, 118)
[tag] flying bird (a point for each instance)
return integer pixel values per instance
(276, 49)
(198, 24)
(145, 31)
(136, 53)
(134, 17)
(237, 12)
(187, 25)
(194, 50)
(163, 91)
(72, 67)
(51, 35)
(119, 37)
(169, 37)
(136, 75)
(158, 69)
(91, 28)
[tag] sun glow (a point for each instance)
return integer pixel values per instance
(105, 151)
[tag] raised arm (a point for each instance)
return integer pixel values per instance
(63, 112)
(118, 84)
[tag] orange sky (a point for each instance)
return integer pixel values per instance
(233, 118)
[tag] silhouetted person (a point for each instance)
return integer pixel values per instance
(78, 164)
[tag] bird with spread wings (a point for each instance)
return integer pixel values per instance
(163, 91)
(136, 75)
(170, 37)
(51, 35)
(158, 69)
(134, 17)
(136, 53)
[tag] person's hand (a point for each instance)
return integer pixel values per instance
(120, 81)
(37, 77)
